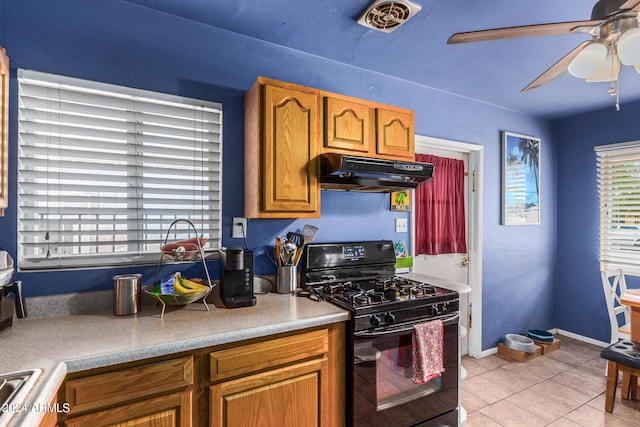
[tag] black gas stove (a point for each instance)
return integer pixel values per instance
(385, 307)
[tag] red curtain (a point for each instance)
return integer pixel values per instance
(440, 218)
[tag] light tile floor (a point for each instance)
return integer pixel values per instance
(564, 388)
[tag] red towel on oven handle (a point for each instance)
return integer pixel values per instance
(427, 351)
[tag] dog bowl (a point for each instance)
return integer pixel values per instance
(540, 335)
(519, 343)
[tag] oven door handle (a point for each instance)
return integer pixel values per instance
(446, 320)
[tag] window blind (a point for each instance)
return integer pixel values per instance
(104, 170)
(619, 188)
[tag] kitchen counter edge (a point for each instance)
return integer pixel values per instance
(128, 339)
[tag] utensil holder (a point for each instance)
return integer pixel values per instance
(287, 280)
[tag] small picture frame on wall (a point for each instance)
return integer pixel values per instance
(401, 201)
(520, 179)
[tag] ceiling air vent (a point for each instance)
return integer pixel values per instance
(386, 16)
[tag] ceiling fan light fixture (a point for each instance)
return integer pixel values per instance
(588, 61)
(608, 70)
(629, 47)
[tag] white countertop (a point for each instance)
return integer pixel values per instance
(59, 345)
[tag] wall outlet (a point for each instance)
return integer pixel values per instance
(239, 228)
(402, 225)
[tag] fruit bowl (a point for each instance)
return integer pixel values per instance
(184, 250)
(175, 299)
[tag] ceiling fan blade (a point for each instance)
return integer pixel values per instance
(556, 69)
(522, 31)
(632, 5)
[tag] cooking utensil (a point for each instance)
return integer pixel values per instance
(278, 251)
(296, 257)
(290, 249)
(296, 238)
(309, 233)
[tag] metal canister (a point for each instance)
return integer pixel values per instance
(287, 280)
(126, 294)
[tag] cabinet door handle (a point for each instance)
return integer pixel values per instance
(465, 261)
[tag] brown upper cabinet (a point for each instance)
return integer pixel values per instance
(364, 128)
(287, 126)
(349, 126)
(281, 136)
(395, 134)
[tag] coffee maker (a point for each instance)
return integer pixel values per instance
(8, 287)
(236, 284)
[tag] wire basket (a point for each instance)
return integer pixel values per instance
(176, 299)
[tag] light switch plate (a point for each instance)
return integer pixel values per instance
(401, 225)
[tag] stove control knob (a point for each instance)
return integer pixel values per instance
(389, 318)
(375, 320)
(434, 310)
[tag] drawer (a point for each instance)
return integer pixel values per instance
(164, 411)
(96, 391)
(267, 354)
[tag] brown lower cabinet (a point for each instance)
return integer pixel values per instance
(293, 379)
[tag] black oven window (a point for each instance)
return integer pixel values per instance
(386, 363)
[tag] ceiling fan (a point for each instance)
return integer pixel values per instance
(615, 38)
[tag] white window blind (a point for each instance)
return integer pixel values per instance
(619, 187)
(104, 170)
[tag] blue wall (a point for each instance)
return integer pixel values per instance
(118, 43)
(581, 306)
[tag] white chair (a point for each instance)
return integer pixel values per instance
(614, 285)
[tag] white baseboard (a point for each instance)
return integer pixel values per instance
(489, 352)
(494, 350)
(582, 338)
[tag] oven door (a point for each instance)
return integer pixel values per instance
(384, 391)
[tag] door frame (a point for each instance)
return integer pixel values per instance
(474, 244)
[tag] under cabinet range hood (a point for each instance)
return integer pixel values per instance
(353, 173)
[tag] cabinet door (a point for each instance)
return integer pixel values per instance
(50, 418)
(291, 132)
(173, 410)
(292, 396)
(395, 133)
(349, 126)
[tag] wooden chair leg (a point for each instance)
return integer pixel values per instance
(634, 387)
(626, 385)
(612, 383)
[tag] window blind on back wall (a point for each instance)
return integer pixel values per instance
(619, 188)
(104, 170)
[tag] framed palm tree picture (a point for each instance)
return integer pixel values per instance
(520, 179)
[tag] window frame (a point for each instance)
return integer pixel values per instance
(618, 175)
(138, 147)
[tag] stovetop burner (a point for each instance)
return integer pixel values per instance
(380, 290)
(361, 277)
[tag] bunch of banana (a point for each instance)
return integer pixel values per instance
(186, 286)
(176, 284)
